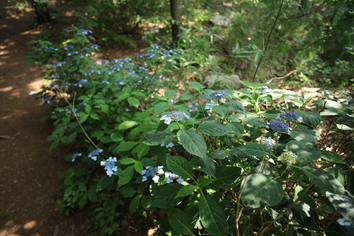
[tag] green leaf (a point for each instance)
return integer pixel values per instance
(236, 106)
(153, 138)
(161, 107)
(103, 183)
(83, 201)
(303, 137)
(127, 175)
(180, 166)
(212, 216)
(221, 110)
(116, 137)
(196, 86)
(88, 109)
(180, 221)
(213, 128)
(126, 146)
(236, 128)
(127, 191)
(127, 161)
(323, 180)
(167, 196)
(310, 118)
(54, 144)
(207, 164)
(193, 143)
(141, 150)
(127, 124)
(306, 152)
(186, 190)
(332, 157)
(169, 94)
(226, 176)
(255, 149)
(255, 121)
(95, 116)
(260, 188)
(92, 197)
(134, 204)
(133, 101)
(83, 118)
(220, 154)
(187, 96)
(138, 166)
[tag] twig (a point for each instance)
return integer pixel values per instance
(282, 77)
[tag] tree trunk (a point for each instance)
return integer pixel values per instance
(176, 13)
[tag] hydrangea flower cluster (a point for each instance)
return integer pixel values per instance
(269, 142)
(347, 225)
(219, 94)
(279, 126)
(264, 89)
(110, 165)
(169, 145)
(192, 105)
(174, 115)
(155, 173)
(93, 155)
(288, 158)
(290, 116)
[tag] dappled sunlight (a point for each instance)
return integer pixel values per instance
(13, 229)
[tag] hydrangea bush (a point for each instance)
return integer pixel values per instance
(207, 162)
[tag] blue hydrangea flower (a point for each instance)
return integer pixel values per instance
(290, 116)
(192, 105)
(219, 94)
(170, 177)
(169, 145)
(264, 89)
(172, 101)
(269, 142)
(84, 31)
(346, 225)
(279, 126)
(75, 155)
(208, 106)
(93, 155)
(110, 165)
(46, 100)
(79, 83)
(152, 172)
(174, 115)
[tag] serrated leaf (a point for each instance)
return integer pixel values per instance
(306, 151)
(153, 138)
(212, 216)
(134, 204)
(332, 157)
(220, 154)
(127, 161)
(186, 190)
(103, 183)
(126, 146)
(180, 221)
(260, 188)
(133, 101)
(167, 196)
(310, 118)
(193, 143)
(127, 191)
(254, 121)
(255, 149)
(323, 180)
(127, 124)
(196, 85)
(180, 166)
(213, 128)
(187, 96)
(169, 94)
(83, 201)
(236, 106)
(221, 110)
(207, 165)
(226, 176)
(127, 175)
(161, 107)
(236, 128)
(116, 137)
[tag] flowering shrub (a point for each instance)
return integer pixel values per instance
(219, 162)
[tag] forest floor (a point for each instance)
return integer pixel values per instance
(29, 181)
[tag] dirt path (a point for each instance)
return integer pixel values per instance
(29, 183)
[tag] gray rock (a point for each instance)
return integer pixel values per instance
(232, 80)
(220, 20)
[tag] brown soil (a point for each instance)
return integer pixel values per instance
(29, 182)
